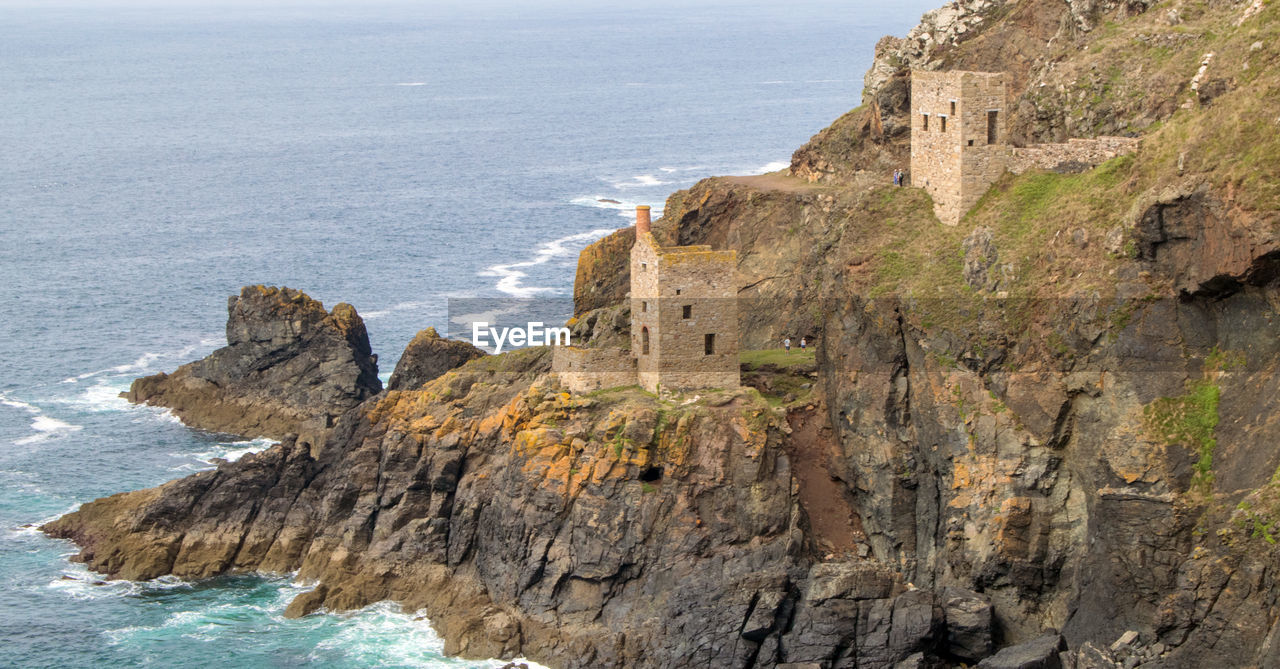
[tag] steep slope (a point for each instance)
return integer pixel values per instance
(1062, 401)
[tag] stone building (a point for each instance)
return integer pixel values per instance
(684, 322)
(957, 137)
(959, 147)
(684, 313)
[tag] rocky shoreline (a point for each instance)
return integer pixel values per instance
(1043, 438)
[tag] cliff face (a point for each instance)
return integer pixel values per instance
(611, 530)
(1057, 414)
(289, 367)
(1064, 403)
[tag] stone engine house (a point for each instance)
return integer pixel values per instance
(957, 137)
(959, 147)
(684, 323)
(684, 313)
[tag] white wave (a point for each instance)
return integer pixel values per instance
(381, 635)
(413, 83)
(144, 363)
(695, 168)
(101, 397)
(46, 427)
(774, 82)
(77, 582)
(773, 166)
(400, 306)
(18, 404)
(639, 181)
(625, 208)
(230, 451)
(511, 274)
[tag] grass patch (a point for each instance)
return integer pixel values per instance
(777, 357)
(1189, 420)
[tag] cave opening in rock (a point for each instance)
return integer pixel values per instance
(651, 473)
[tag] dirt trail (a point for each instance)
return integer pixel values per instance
(836, 528)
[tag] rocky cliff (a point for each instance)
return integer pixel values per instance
(289, 367)
(1048, 430)
(427, 357)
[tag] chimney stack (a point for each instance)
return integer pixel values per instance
(642, 220)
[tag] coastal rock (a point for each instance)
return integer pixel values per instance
(1040, 653)
(427, 357)
(289, 367)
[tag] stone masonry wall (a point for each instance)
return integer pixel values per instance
(1073, 156)
(664, 281)
(983, 157)
(701, 282)
(951, 157)
(583, 370)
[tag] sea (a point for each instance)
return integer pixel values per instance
(155, 157)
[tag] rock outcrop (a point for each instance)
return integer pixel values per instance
(1019, 444)
(289, 367)
(427, 357)
(610, 531)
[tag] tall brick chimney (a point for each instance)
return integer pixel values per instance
(642, 219)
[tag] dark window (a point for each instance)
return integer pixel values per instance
(944, 124)
(709, 343)
(644, 341)
(926, 122)
(971, 142)
(677, 291)
(688, 311)
(644, 306)
(993, 125)
(953, 107)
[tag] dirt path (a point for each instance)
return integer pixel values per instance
(836, 528)
(776, 181)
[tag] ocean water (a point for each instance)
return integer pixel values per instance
(155, 158)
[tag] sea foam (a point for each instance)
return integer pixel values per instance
(510, 275)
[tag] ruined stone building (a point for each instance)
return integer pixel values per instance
(959, 146)
(684, 323)
(957, 137)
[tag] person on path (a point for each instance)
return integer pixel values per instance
(786, 343)
(897, 177)
(802, 343)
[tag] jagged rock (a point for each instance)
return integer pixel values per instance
(1040, 653)
(427, 357)
(980, 256)
(289, 367)
(969, 623)
(1090, 656)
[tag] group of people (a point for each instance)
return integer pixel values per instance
(786, 343)
(898, 177)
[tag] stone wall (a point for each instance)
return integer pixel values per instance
(1072, 156)
(583, 370)
(685, 299)
(953, 155)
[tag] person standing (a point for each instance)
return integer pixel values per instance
(786, 344)
(897, 175)
(802, 344)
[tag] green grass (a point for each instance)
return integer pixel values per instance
(1189, 420)
(778, 357)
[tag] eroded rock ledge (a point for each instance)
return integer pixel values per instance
(289, 367)
(612, 530)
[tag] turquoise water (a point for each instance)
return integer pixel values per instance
(154, 159)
